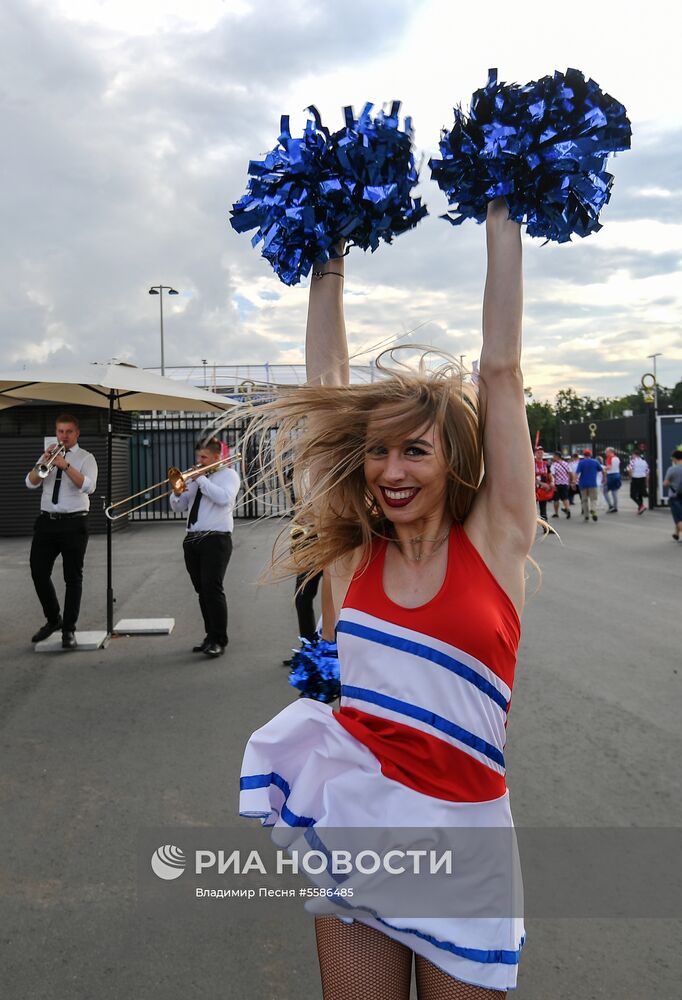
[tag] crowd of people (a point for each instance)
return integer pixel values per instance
(560, 479)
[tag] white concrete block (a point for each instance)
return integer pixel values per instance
(85, 640)
(144, 626)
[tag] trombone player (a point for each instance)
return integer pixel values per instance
(209, 498)
(68, 475)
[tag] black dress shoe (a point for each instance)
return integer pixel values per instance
(47, 630)
(201, 646)
(214, 649)
(69, 640)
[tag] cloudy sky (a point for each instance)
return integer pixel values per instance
(127, 129)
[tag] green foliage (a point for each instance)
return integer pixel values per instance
(542, 418)
(569, 407)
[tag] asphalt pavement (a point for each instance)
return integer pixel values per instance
(101, 747)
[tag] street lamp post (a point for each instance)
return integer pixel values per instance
(653, 437)
(159, 290)
(648, 384)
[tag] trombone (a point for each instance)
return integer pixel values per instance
(45, 468)
(176, 479)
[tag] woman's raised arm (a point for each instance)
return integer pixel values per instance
(502, 522)
(326, 348)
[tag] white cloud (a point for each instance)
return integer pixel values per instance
(128, 128)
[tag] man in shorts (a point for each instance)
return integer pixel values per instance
(562, 484)
(588, 470)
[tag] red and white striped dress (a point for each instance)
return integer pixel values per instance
(417, 741)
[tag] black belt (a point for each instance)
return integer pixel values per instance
(54, 516)
(204, 533)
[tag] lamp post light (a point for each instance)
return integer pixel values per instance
(159, 290)
(653, 357)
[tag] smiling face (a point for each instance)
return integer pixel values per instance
(407, 477)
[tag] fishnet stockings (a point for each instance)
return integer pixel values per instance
(434, 984)
(360, 963)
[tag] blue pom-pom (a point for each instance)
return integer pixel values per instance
(543, 147)
(376, 174)
(315, 670)
(281, 201)
(309, 193)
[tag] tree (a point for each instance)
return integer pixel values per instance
(542, 418)
(570, 407)
(670, 400)
(675, 398)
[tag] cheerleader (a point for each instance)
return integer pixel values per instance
(426, 557)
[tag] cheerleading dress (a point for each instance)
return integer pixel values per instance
(417, 740)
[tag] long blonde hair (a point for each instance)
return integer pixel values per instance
(316, 438)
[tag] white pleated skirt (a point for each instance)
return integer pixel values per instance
(303, 771)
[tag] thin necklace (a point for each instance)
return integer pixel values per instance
(437, 542)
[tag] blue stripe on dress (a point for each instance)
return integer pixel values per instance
(430, 718)
(495, 956)
(264, 781)
(426, 653)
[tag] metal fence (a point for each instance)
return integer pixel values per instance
(161, 440)
(235, 380)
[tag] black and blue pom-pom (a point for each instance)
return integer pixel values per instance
(309, 193)
(543, 147)
(315, 670)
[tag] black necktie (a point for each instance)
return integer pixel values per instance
(58, 482)
(194, 512)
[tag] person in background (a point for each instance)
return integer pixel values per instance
(613, 480)
(572, 466)
(304, 596)
(601, 479)
(673, 483)
(638, 467)
(587, 470)
(544, 482)
(61, 529)
(207, 545)
(562, 484)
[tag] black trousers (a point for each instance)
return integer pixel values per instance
(68, 538)
(304, 606)
(206, 561)
(638, 491)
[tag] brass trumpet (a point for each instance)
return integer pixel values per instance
(176, 479)
(45, 468)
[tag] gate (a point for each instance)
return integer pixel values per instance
(160, 440)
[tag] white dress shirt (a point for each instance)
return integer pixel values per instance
(71, 498)
(218, 493)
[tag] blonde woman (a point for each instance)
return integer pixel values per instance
(421, 503)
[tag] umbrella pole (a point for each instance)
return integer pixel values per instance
(110, 588)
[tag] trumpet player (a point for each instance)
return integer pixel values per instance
(68, 475)
(207, 546)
